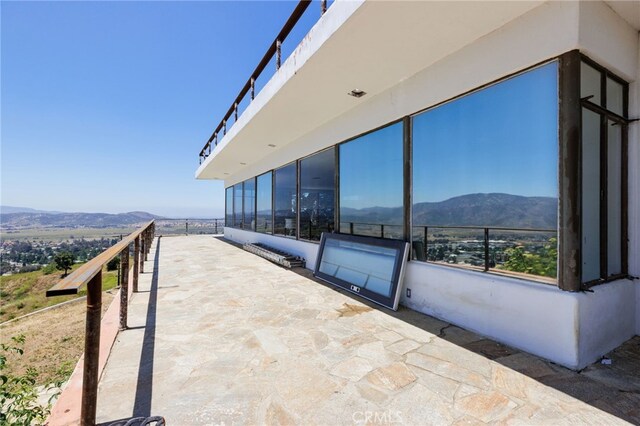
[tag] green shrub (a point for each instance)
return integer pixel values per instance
(49, 269)
(19, 393)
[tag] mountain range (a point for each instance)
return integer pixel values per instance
(493, 209)
(18, 217)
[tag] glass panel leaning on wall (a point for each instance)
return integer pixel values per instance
(485, 180)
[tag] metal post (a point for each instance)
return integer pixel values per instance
(486, 249)
(278, 54)
(253, 88)
(142, 243)
(147, 244)
(426, 239)
(351, 228)
(381, 231)
(323, 7)
(235, 112)
(186, 226)
(124, 288)
(136, 262)
(91, 352)
(224, 127)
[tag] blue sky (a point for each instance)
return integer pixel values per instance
(500, 139)
(106, 105)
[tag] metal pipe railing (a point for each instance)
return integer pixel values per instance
(249, 87)
(483, 230)
(90, 274)
(197, 226)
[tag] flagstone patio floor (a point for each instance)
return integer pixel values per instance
(220, 336)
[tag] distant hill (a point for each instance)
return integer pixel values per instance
(493, 209)
(13, 209)
(72, 220)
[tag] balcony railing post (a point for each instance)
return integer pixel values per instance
(186, 226)
(323, 7)
(278, 54)
(351, 228)
(224, 127)
(426, 239)
(124, 288)
(235, 112)
(486, 249)
(136, 262)
(381, 231)
(91, 351)
(147, 244)
(142, 248)
(253, 88)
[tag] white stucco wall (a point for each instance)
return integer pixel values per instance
(537, 318)
(306, 250)
(572, 329)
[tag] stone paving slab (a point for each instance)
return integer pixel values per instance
(221, 336)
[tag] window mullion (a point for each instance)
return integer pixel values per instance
(604, 210)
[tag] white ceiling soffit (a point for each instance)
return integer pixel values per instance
(629, 10)
(370, 46)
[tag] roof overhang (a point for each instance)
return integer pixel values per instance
(370, 46)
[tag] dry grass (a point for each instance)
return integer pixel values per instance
(24, 293)
(54, 340)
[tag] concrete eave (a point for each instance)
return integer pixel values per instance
(366, 45)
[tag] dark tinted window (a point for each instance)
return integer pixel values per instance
(371, 184)
(249, 204)
(228, 217)
(488, 160)
(264, 202)
(285, 200)
(317, 194)
(237, 205)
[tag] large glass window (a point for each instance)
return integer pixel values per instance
(603, 148)
(264, 200)
(285, 218)
(249, 188)
(237, 205)
(371, 184)
(485, 191)
(228, 217)
(317, 194)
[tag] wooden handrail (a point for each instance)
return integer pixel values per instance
(81, 276)
(90, 274)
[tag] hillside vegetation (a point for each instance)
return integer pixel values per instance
(24, 293)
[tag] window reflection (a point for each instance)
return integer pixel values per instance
(285, 201)
(371, 184)
(263, 202)
(590, 83)
(249, 204)
(317, 194)
(237, 205)
(488, 159)
(228, 217)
